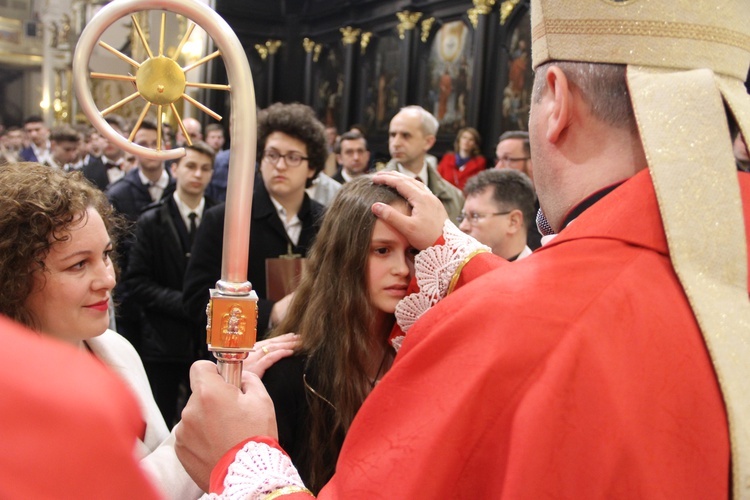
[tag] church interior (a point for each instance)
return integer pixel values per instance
(356, 62)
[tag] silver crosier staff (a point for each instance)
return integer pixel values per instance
(160, 81)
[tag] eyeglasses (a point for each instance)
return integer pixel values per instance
(292, 158)
(509, 159)
(474, 217)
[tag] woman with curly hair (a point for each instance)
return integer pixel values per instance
(357, 271)
(56, 277)
(467, 160)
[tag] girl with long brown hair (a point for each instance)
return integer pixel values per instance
(358, 270)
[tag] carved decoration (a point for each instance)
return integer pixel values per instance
(407, 22)
(273, 46)
(426, 28)
(506, 9)
(308, 45)
(262, 51)
(364, 41)
(270, 47)
(349, 35)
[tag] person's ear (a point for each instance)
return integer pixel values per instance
(173, 168)
(515, 221)
(560, 106)
(429, 142)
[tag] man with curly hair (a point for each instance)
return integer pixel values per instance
(292, 151)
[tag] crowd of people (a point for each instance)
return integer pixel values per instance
(525, 330)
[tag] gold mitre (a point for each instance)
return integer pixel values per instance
(686, 64)
(677, 34)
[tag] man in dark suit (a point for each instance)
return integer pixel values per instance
(143, 185)
(292, 151)
(170, 341)
(353, 156)
(108, 168)
(37, 134)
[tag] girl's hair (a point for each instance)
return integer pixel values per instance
(331, 312)
(477, 141)
(38, 205)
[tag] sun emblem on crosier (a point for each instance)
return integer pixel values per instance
(160, 81)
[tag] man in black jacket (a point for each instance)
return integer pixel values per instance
(158, 259)
(129, 196)
(109, 167)
(292, 151)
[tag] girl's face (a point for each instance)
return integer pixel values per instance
(390, 265)
(70, 299)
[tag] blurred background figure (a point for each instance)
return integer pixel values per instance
(353, 156)
(465, 160)
(37, 137)
(499, 211)
(215, 136)
(194, 130)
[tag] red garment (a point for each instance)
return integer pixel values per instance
(579, 372)
(450, 172)
(69, 426)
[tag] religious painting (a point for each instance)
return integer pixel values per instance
(449, 73)
(517, 92)
(328, 84)
(381, 75)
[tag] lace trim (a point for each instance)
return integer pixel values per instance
(258, 470)
(435, 268)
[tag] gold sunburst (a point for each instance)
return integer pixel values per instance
(160, 81)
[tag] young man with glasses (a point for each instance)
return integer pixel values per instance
(498, 210)
(291, 152)
(513, 151)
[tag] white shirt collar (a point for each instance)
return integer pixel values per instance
(162, 183)
(185, 210)
(293, 228)
(422, 173)
(346, 176)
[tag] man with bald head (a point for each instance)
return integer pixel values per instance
(194, 131)
(411, 134)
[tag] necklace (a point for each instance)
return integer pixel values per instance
(380, 369)
(309, 387)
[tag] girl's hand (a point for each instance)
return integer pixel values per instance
(267, 352)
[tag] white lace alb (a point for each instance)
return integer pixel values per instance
(258, 470)
(434, 269)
